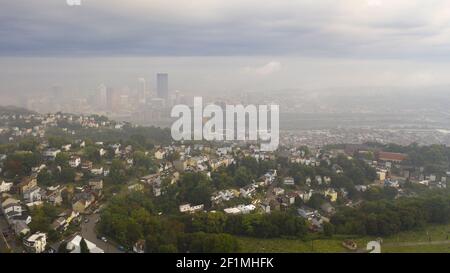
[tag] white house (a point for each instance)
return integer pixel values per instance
(288, 181)
(33, 194)
(74, 161)
(5, 187)
(97, 171)
(191, 209)
(36, 242)
(51, 153)
(74, 246)
(66, 147)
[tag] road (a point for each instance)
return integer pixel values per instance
(88, 232)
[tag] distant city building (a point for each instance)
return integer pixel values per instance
(142, 97)
(112, 99)
(102, 97)
(162, 85)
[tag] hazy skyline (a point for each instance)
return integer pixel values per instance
(217, 45)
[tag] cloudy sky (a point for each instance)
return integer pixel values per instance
(257, 43)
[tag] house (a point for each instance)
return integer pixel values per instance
(180, 165)
(102, 152)
(381, 175)
(136, 187)
(337, 169)
(191, 209)
(318, 179)
(20, 228)
(74, 161)
(150, 179)
(86, 165)
(36, 243)
(66, 147)
(278, 191)
(306, 212)
(27, 183)
(248, 190)
(224, 195)
(54, 195)
(241, 209)
(20, 224)
(160, 154)
(51, 153)
(327, 208)
(59, 223)
(156, 191)
(391, 157)
(331, 194)
(11, 210)
(73, 246)
(32, 195)
(82, 201)
(65, 219)
(305, 195)
(308, 181)
(130, 161)
(5, 187)
(394, 183)
(361, 188)
(139, 246)
(288, 181)
(96, 184)
(265, 206)
(290, 197)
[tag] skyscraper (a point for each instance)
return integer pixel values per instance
(102, 96)
(162, 85)
(111, 99)
(142, 91)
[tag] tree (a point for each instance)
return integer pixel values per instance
(62, 159)
(243, 177)
(328, 229)
(45, 177)
(63, 248)
(83, 246)
(117, 171)
(20, 163)
(92, 154)
(57, 141)
(316, 201)
(67, 175)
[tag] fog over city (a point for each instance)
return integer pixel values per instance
(354, 57)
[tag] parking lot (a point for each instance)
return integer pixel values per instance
(88, 232)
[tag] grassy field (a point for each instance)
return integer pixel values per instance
(391, 244)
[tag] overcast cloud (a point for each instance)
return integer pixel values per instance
(326, 28)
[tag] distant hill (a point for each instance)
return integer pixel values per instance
(15, 110)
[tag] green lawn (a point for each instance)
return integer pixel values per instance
(418, 249)
(436, 233)
(289, 245)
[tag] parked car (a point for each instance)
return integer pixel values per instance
(104, 239)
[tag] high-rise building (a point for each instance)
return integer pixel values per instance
(111, 99)
(162, 85)
(142, 90)
(102, 96)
